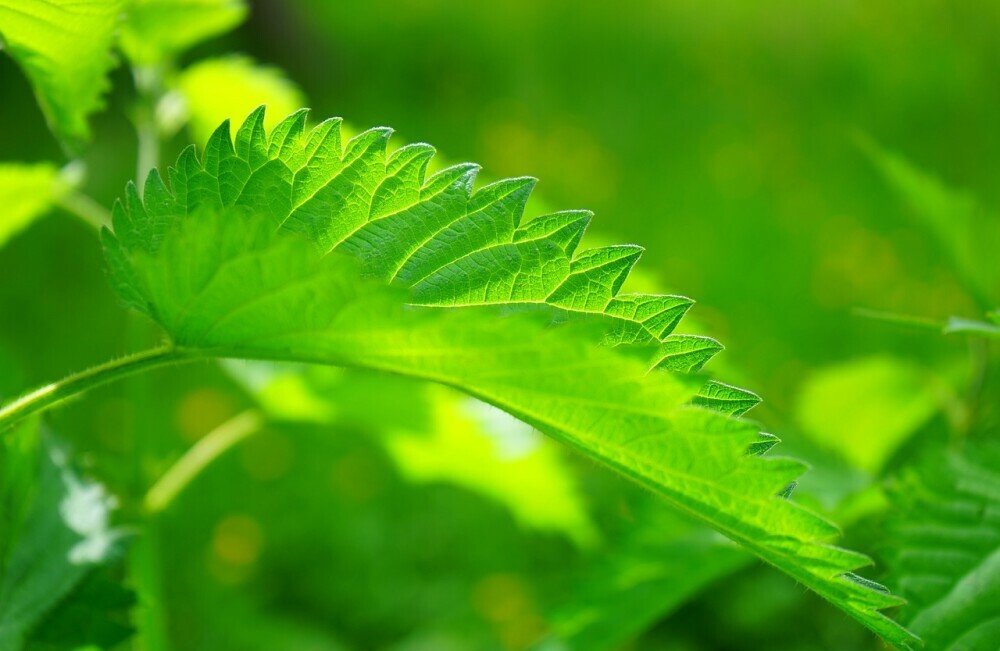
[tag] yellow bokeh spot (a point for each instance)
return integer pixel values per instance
(237, 540)
(504, 600)
(201, 411)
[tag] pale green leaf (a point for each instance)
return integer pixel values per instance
(434, 434)
(63, 46)
(230, 88)
(250, 254)
(865, 409)
(945, 542)
(156, 31)
(26, 193)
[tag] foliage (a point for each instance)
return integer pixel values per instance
(64, 47)
(158, 30)
(370, 471)
(946, 547)
(56, 532)
(225, 283)
(27, 192)
(216, 89)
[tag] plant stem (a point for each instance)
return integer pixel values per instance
(149, 148)
(52, 394)
(904, 320)
(149, 85)
(86, 209)
(201, 455)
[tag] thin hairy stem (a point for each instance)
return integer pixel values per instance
(52, 394)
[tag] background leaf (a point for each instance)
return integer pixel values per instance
(866, 409)
(26, 193)
(945, 556)
(966, 231)
(63, 533)
(156, 31)
(230, 88)
(64, 47)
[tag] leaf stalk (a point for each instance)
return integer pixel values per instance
(57, 392)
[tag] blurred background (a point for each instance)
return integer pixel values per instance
(729, 138)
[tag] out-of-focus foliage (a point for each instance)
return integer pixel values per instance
(865, 409)
(26, 193)
(945, 547)
(968, 234)
(230, 88)
(156, 31)
(56, 531)
(64, 47)
(434, 434)
(647, 574)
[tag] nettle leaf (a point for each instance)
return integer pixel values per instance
(64, 48)
(158, 30)
(297, 246)
(945, 541)
(27, 191)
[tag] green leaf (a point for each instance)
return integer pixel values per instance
(231, 87)
(26, 193)
(433, 434)
(662, 562)
(250, 254)
(64, 48)
(967, 233)
(156, 31)
(687, 353)
(95, 615)
(61, 534)
(945, 540)
(864, 410)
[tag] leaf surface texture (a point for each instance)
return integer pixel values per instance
(294, 245)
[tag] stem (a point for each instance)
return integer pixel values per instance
(86, 209)
(904, 320)
(52, 394)
(149, 85)
(149, 147)
(212, 446)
